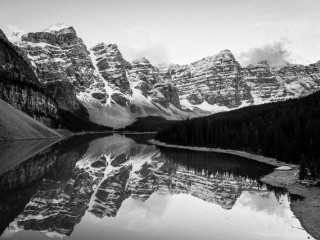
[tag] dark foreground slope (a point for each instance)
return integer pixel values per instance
(288, 131)
(15, 125)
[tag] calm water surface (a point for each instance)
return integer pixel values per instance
(121, 187)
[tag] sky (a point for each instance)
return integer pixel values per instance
(181, 31)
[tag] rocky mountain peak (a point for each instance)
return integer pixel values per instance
(317, 63)
(102, 46)
(131, 87)
(222, 59)
(141, 60)
(113, 46)
(20, 87)
(62, 63)
(143, 70)
(60, 35)
(99, 46)
(108, 53)
(164, 66)
(265, 62)
(201, 84)
(261, 64)
(16, 36)
(59, 28)
(111, 66)
(226, 54)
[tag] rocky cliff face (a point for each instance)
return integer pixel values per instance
(112, 67)
(128, 90)
(147, 79)
(115, 92)
(58, 54)
(169, 94)
(20, 87)
(262, 82)
(269, 84)
(35, 103)
(59, 58)
(214, 80)
(219, 83)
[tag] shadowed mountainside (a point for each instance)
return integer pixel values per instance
(15, 124)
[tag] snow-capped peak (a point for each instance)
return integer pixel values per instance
(57, 27)
(16, 36)
(101, 44)
(141, 60)
(226, 54)
(317, 63)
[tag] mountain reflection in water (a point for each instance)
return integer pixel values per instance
(121, 187)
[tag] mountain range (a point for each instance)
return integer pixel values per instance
(100, 86)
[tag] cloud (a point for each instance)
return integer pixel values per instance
(144, 42)
(155, 53)
(14, 32)
(13, 28)
(276, 54)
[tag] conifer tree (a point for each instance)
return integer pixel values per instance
(303, 170)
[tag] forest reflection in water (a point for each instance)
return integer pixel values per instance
(94, 186)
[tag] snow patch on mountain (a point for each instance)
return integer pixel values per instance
(16, 36)
(56, 27)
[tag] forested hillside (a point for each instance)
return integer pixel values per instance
(149, 124)
(288, 131)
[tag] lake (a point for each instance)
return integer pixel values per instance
(121, 187)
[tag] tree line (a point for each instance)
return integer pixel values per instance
(288, 131)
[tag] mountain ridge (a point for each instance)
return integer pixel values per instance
(115, 92)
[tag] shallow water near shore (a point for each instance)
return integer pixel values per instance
(121, 187)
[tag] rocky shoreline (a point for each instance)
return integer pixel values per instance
(306, 210)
